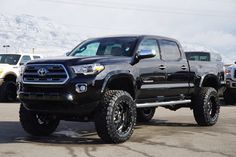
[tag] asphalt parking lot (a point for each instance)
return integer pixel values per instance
(168, 134)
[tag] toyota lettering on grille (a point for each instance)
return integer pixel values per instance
(42, 72)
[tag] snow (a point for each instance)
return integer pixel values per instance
(25, 32)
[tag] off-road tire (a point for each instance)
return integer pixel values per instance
(145, 114)
(8, 91)
(115, 105)
(31, 124)
(229, 97)
(206, 106)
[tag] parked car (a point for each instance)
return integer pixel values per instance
(10, 66)
(212, 61)
(230, 92)
(113, 81)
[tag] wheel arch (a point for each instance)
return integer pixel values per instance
(120, 81)
(210, 80)
(10, 77)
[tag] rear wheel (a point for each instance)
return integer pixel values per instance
(229, 97)
(8, 91)
(116, 117)
(145, 114)
(206, 107)
(37, 124)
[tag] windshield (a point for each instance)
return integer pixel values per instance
(116, 46)
(9, 59)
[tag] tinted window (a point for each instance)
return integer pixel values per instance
(169, 50)
(9, 59)
(150, 44)
(114, 46)
(36, 57)
(198, 56)
(25, 59)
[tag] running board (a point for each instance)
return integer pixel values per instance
(155, 104)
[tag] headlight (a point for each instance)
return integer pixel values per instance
(88, 69)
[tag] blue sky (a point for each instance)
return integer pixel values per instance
(210, 23)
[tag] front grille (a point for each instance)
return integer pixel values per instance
(45, 74)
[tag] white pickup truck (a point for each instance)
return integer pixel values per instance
(10, 67)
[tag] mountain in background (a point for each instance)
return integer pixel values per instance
(25, 32)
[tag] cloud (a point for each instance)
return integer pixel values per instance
(219, 41)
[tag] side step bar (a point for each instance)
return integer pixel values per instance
(155, 104)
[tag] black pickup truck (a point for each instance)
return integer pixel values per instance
(115, 81)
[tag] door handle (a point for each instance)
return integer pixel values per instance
(162, 67)
(183, 67)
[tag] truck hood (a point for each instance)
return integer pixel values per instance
(4, 66)
(82, 60)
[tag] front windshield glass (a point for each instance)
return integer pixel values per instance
(9, 59)
(116, 46)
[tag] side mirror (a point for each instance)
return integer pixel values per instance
(146, 54)
(67, 53)
(22, 64)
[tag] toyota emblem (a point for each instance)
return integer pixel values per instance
(42, 72)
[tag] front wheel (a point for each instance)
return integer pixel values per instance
(8, 91)
(116, 117)
(229, 97)
(37, 124)
(206, 107)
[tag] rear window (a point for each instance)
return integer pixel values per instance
(198, 56)
(36, 57)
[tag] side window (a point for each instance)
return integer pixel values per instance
(150, 44)
(36, 57)
(169, 50)
(25, 59)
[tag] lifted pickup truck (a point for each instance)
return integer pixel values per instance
(113, 81)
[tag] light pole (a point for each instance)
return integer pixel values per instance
(6, 46)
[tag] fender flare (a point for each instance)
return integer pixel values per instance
(10, 73)
(117, 74)
(206, 76)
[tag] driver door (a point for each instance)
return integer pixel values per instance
(152, 72)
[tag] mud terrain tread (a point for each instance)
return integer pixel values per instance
(104, 116)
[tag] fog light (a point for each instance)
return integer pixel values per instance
(70, 97)
(81, 87)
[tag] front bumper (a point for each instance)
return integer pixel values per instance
(230, 83)
(62, 99)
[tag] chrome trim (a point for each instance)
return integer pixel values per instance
(155, 104)
(173, 85)
(47, 83)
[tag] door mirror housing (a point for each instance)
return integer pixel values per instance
(146, 54)
(22, 63)
(67, 53)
